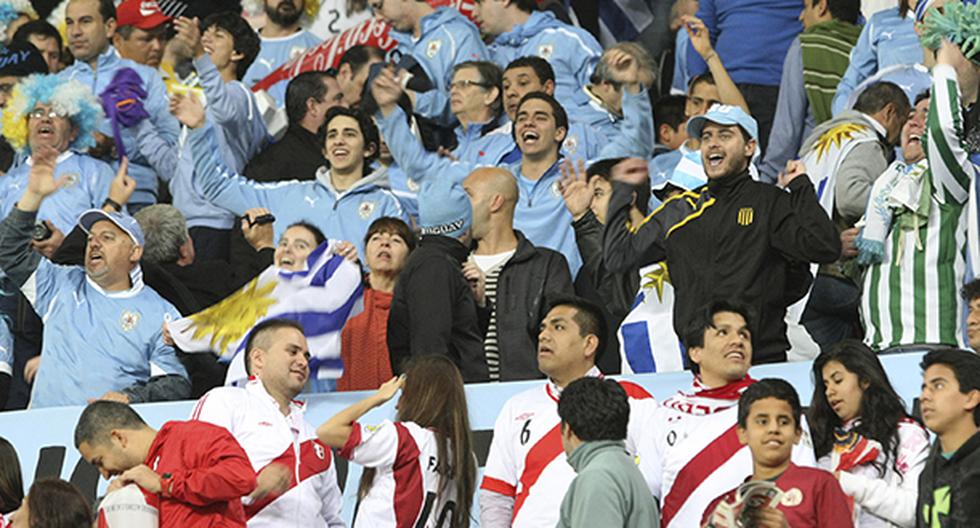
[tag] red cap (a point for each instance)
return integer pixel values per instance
(144, 14)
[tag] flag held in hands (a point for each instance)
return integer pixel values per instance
(321, 298)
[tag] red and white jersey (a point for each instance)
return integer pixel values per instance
(267, 436)
(526, 459)
(696, 453)
(405, 491)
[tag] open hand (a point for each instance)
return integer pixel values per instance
(189, 34)
(389, 388)
(478, 282)
(140, 475)
(576, 190)
(387, 89)
(700, 38)
(187, 108)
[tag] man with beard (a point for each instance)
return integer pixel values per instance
(282, 40)
(732, 238)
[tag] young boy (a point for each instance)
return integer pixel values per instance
(950, 483)
(769, 423)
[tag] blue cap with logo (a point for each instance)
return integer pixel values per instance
(724, 115)
(444, 208)
(125, 222)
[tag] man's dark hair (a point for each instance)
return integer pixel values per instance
(904, 8)
(843, 10)
(261, 334)
(541, 67)
(595, 409)
(561, 118)
(705, 77)
(301, 89)
(881, 94)
(244, 39)
(491, 76)
(924, 94)
(603, 168)
(368, 129)
(965, 366)
(359, 56)
(704, 318)
(669, 110)
(37, 27)
(318, 235)
(970, 291)
(107, 9)
(588, 316)
(767, 388)
(101, 417)
(391, 226)
(528, 6)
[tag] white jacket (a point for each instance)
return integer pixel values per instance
(889, 500)
(254, 419)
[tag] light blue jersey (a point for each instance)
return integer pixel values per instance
(156, 104)
(6, 347)
(275, 52)
(96, 341)
(87, 187)
(241, 134)
(340, 215)
(448, 38)
(475, 146)
(572, 51)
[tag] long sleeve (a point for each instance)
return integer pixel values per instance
(330, 497)
(161, 154)
(855, 176)
(593, 501)
(225, 101)
(708, 14)
(949, 162)
(799, 227)
(412, 157)
(167, 387)
(624, 246)
(430, 308)
(217, 182)
(636, 135)
(864, 63)
(225, 474)
(791, 109)
(17, 260)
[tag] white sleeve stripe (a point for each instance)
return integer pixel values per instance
(29, 288)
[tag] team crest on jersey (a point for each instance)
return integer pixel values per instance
(129, 320)
(71, 178)
(296, 51)
(793, 497)
(571, 144)
(545, 51)
(412, 185)
(433, 48)
(320, 452)
(556, 189)
(745, 216)
(365, 209)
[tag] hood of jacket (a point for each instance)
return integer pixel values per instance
(539, 21)
(378, 178)
(847, 116)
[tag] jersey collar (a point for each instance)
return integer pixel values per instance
(554, 391)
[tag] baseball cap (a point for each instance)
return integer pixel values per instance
(143, 14)
(724, 115)
(125, 222)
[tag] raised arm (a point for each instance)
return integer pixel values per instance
(701, 41)
(636, 135)
(949, 162)
(335, 431)
(798, 225)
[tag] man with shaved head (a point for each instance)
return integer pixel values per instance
(510, 274)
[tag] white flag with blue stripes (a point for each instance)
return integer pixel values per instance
(321, 298)
(647, 342)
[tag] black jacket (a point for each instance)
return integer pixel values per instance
(296, 156)
(949, 490)
(733, 238)
(524, 286)
(433, 310)
(616, 289)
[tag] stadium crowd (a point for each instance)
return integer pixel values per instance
(245, 204)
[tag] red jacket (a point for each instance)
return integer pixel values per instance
(210, 475)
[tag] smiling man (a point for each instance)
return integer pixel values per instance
(195, 473)
(527, 472)
(268, 422)
(733, 238)
(694, 452)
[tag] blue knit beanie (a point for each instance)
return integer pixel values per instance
(444, 208)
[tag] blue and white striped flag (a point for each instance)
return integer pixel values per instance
(622, 20)
(321, 298)
(647, 342)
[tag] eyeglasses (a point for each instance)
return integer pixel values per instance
(40, 113)
(464, 84)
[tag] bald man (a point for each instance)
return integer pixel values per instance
(511, 275)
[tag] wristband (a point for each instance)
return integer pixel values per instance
(112, 203)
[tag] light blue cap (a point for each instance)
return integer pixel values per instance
(125, 222)
(724, 115)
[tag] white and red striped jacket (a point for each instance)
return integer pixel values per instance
(254, 419)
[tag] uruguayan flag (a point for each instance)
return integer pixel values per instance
(321, 298)
(647, 342)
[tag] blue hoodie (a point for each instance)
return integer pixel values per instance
(448, 38)
(572, 52)
(156, 104)
(87, 188)
(241, 134)
(340, 215)
(475, 146)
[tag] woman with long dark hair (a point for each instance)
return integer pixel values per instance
(53, 503)
(11, 484)
(425, 457)
(862, 432)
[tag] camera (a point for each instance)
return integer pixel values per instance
(41, 231)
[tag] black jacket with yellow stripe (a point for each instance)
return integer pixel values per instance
(733, 238)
